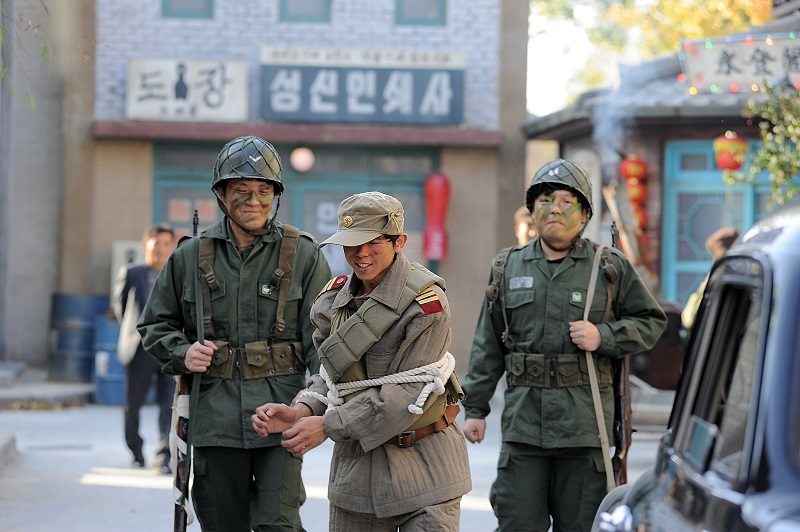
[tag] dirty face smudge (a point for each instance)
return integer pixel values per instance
(249, 202)
(558, 216)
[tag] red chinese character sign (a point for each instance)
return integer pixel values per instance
(437, 197)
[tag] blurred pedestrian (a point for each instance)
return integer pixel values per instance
(523, 226)
(131, 290)
(400, 460)
(259, 278)
(717, 244)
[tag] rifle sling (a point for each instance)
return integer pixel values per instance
(598, 405)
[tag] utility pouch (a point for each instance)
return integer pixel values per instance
(221, 361)
(526, 369)
(262, 360)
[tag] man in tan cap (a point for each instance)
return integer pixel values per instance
(382, 333)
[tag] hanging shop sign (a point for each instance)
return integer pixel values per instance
(187, 91)
(362, 85)
(740, 64)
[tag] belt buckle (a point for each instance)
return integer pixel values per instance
(407, 434)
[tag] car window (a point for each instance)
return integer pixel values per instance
(712, 428)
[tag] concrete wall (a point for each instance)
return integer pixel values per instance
(32, 189)
(473, 198)
(122, 204)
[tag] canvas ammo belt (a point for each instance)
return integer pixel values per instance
(256, 360)
(559, 371)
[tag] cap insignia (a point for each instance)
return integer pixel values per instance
(347, 221)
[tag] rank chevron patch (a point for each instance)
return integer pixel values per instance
(429, 301)
(333, 284)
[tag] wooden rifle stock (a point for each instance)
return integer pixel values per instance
(184, 464)
(623, 427)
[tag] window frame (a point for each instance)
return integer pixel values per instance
(737, 294)
(401, 20)
(207, 12)
(324, 18)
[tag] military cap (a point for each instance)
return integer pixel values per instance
(366, 216)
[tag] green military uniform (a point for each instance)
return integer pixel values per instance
(241, 481)
(548, 411)
(242, 311)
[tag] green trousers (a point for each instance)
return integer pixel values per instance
(534, 485)
(238, 490)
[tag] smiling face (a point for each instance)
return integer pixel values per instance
(249, 202)
(372, 260)
(559, 217)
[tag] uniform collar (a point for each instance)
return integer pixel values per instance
(533, 250)
(388, 292)
(222, 230)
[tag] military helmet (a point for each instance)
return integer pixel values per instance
(249, 157)
(559, 174)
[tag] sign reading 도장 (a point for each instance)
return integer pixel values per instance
(176, 90)
(737, 64)
(359, 85)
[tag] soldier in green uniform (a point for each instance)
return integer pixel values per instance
(531, 327)
(400, 461)
(259, 279)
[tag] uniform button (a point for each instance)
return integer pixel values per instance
(258, 358)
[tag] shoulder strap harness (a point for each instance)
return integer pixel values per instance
(281, 277)
(496, 289)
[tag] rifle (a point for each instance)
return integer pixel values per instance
(623, 428)
(184, 462)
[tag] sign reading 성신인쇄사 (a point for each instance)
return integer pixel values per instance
(186, 91)
(361, 85)
(737, 64)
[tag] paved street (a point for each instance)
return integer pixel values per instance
(72, 473)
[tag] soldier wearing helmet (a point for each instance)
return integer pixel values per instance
(259, 277)
(532, 329)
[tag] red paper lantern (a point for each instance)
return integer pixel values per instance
(632, 167)
(437, 196)
(641, 215)
(729, 151)
(637, 190)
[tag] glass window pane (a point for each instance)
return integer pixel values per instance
(172, 158)
(187, 8)
(694, 161)
(403, 164)
(305, 10)
(431, 12)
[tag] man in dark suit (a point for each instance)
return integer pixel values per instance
(131, 289)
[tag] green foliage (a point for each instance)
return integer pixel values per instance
(649, 28)
(778, 115)
(15, 49)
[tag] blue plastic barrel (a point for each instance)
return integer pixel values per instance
(106, 334)
(109, 389)
(109, 374)
(73, 326)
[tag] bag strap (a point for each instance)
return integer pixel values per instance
(598, 405)
(282, 276)
(496, 291)
(205, 269)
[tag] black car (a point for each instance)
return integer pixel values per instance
(730, 459)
